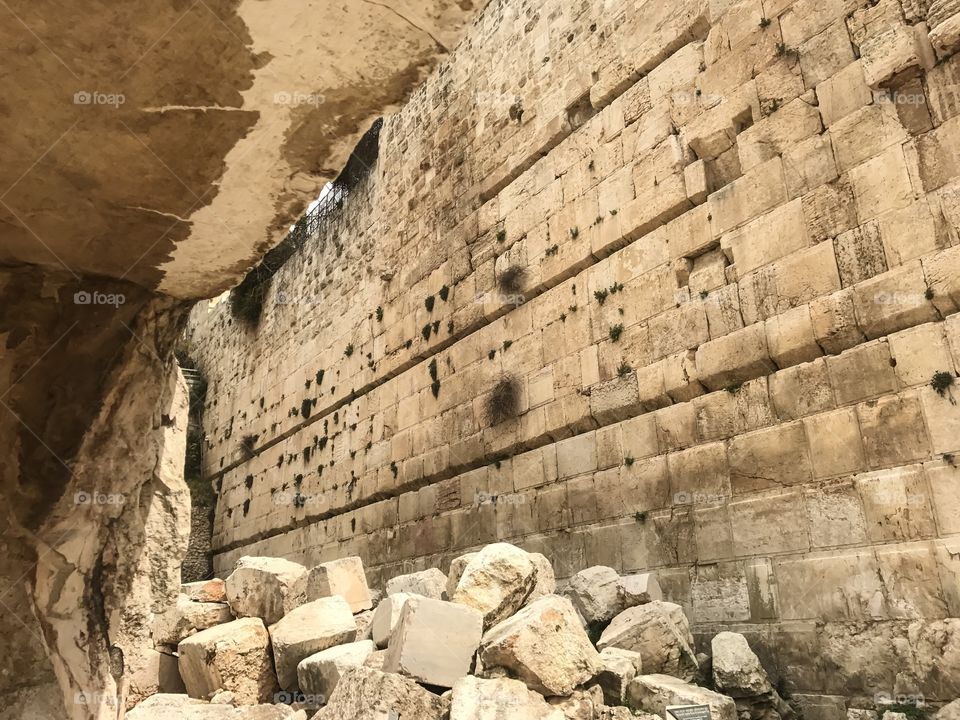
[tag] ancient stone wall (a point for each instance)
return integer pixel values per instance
(655, 285)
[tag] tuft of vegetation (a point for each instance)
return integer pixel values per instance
(507, 344)
(501, 235)
(379, 314)
(435, 388)
(503, 402)
(511, 279)
(574, 232)
(601, 296)
(444, 293)
(929, 293)
(305, 407)
(616, 331)
(641, 517)
(734, 388)
(765, 22)
(941, 382)
(247, 444)
(429, 302)
(450, 326)
(348, 350)
(394, 469)
(624, 369)
(426, 331)
(491, 355)
(552, 250)
(628, 460)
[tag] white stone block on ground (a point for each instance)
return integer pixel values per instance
(318, 674)
(308, 629)
(544, 645)
(266, 588)
(640, 589)
(187, 617)
(497, 581)
(457, 566)
(434, 641)
(620, 667)
(595, 593)
(367, 694)
(205, 590)
(653, 693)
(660, 632)
(234, 656)
(429, 583)
(344, 577)
(737, 671)
(386, 617)
(546, 583)
(499, 699)
(950, 711)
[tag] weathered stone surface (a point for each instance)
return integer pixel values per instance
(660, 632)
(434, 641)
(266, 588)
(386, 617)
(187, 617)
(736, 668)
(318, 674)
(367, 694)
(595, 593)
(496, 581)
(546, 583)
(308, 629)
(429, 583)
(181, 707)
(343, 577)
(235, 657)
(619, 668)
(205, 590)
(498, 699)
(950, 711)
(457, 566)
(653, 693)
(639, 589)
(544, 645)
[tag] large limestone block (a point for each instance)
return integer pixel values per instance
(497, 581)
(546, 583)
(544, 645)
(457, 566)
(367, 694)
(660, 632)
(318, 674)
(386, 617)
(653, 693)
(595, 593)
(205, 590)
(308, 629)
(182, 707)
(640, 589)
(343, 577)
(894, 52)
(737, 671)
(187, 617)
(620, 667)
(501, 699)
(429, 583)
(950, 711)
(234, 656)
(434, 641)
(266, 588)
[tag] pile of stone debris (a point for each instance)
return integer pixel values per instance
(490, 641)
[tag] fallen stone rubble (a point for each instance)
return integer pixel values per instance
(491, 640)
